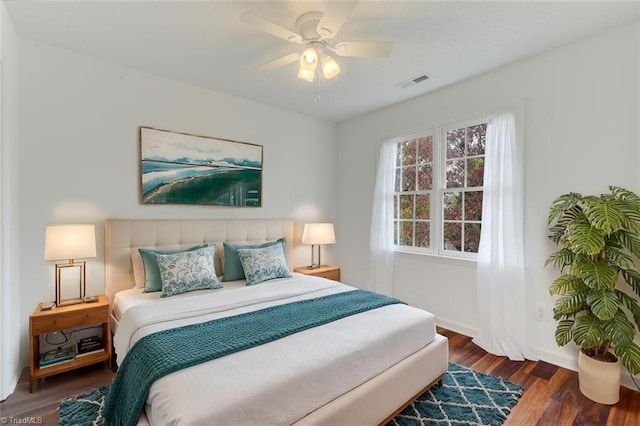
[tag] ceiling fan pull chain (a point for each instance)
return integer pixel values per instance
(316, 97)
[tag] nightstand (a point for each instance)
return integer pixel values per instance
(63, 318)
(324, 271)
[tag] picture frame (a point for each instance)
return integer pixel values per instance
(181, 168)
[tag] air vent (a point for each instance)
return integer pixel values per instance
(412, 81)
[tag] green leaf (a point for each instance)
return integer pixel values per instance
(561, 258)
(619, 329)
(564, 332)
(624, 194)
(597, 275)
(618, 257)
(584, 238)
(633, 279)
(629, 203)
(628, 241)
(570, 305)
(631, 304)
(603, 303)
(588, 331)
(561, 204)
(566, 284)
(629, 355)
(603, 214)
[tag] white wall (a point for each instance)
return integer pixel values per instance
(581, 135)
(79, 160)
(9, 215)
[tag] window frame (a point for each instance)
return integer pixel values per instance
(438, 189)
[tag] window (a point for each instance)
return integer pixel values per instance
(438, 190)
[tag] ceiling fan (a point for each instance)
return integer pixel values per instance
(315, 31)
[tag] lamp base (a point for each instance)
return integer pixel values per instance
(313, 266)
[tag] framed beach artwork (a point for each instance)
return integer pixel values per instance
(178, 168)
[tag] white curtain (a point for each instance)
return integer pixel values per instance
(381, 235)
(500, 269)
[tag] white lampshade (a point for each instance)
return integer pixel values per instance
(330, 67)
(308, 64)
(70, 242)
(318, 233)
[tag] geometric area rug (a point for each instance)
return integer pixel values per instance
(466, 397)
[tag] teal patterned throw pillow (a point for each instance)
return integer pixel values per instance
(187, 271)
(152, 281)
(232, 265)
(261, 264)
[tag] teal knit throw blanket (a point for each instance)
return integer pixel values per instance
(155, 355)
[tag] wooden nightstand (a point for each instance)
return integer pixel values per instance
(324, 271)
(63, 318)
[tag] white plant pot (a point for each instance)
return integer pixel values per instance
(599, 381)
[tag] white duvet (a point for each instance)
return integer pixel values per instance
(280, 382)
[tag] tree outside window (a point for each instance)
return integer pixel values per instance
(439, 181)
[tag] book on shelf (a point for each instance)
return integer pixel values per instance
(89, 352)
(56, 356)
(89, 345)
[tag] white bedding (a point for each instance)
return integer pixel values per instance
(305, 370)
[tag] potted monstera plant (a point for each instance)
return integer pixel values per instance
(599, 287)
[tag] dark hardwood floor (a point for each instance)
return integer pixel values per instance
(551, 393)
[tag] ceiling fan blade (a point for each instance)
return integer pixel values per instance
(272, 28)
(364, 49)
(335, 14)
(280, 62)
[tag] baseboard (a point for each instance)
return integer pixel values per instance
(457, 327)
(555, 358)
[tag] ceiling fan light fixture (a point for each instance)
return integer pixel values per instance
(330, 67)
(309, 57)
(306, 74)
(308, 64)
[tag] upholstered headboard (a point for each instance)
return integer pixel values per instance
(125, 236)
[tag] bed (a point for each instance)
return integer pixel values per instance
(358, 370)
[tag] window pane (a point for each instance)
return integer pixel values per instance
(452, 205)
(409, 178)
(452, 236)
(406, 233)
(455, 173)
(398, 177)
(473, 205)
(476, 139)
(425, 150)
(395, 207)
(422, 234)
(408, 152)
(455, 143)
(425, 177)
(423, 206)
(406, 206)
(395, 232)
(475, 171)
(471, 237)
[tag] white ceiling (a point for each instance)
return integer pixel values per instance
(204, 43)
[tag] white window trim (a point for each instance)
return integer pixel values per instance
(436, 230)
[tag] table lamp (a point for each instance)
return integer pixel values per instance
(70, 242)
(317, 234)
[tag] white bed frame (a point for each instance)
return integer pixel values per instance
(374, 402)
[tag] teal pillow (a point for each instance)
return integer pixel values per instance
(152, 281)
(262, 264)
(187, 271)
(233, 267)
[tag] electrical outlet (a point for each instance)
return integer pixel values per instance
(541, 313)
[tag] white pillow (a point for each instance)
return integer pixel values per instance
(138, 270)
